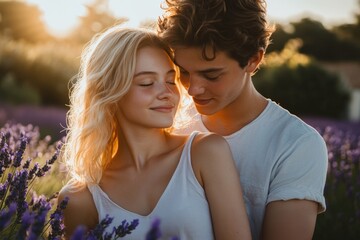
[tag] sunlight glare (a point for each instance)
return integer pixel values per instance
(60, 16)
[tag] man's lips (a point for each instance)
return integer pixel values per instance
(201, 101)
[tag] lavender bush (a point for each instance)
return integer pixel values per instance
(23, 214)
(342, 191)
(25, 160)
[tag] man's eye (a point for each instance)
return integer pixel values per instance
(171, 82)
(211, 77)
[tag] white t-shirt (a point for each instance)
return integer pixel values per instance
(278, 157)
(182, 209)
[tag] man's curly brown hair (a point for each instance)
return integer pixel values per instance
(237, 27)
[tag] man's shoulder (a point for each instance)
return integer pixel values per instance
(281, 120)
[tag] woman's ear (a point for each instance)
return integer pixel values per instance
(255, 61)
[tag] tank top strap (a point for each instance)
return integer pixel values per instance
(186, 172)
(186, 153)
(96, 195)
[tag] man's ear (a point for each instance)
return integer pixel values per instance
(255, 61)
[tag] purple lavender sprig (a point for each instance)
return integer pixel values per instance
(154, 232)
(21, 216)
(125, 228)
(57, 220)
(99, 232)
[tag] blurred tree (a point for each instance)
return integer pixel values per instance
(322, 43)
(300, 85)
(20, 20)
(279, 39)
(350, 32)
(340, 43)
(97, 18)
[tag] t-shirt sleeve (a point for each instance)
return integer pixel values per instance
(300, 172)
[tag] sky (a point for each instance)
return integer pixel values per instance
(61, 16)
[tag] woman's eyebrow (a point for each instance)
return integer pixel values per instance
(152, 73)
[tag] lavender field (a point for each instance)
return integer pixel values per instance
(342, 191)
(51, 120)
(340, 221)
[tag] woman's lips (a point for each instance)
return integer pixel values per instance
(164, 109)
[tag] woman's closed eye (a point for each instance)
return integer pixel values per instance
(146, 84)
(171, 82)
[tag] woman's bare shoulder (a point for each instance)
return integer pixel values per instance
(209, 152)
(80, 209)
(209, 143)
(76, 193)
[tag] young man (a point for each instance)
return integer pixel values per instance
(282, 162)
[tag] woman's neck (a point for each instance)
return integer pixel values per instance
(138, 147)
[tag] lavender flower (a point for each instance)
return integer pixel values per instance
(341, 219)
(56, 220)
(154, 232)
(20, 152)
(99, 230)
(26, 221)
(125, 228)
(6, 216)
(21, 217)
(79, 233)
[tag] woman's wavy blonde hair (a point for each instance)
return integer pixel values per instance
(107, 69)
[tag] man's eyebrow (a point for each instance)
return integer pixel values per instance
(208, 70)
(211, 70)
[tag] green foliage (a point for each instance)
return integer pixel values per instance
(14, 93)
(43, 69)
(337, 44)
(302, 86)
(322, 43)
(279, 39)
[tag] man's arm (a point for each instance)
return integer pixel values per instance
(291, 219)
(296, 190)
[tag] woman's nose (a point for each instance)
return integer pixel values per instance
(165, 90)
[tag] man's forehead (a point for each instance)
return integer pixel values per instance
(192, 58)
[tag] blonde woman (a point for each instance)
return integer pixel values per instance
(123, 159)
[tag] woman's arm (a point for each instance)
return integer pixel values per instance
(80, 209)
(215, 169)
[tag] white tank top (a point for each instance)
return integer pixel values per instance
(182, 209)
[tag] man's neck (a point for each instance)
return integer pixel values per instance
(236, 115)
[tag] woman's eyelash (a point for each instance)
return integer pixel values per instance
(145, 84)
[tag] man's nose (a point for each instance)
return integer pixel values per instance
(195, 87)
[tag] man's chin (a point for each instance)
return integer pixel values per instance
(205, 111)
